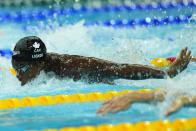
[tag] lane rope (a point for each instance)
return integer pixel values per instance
(152, 5)
(128, 23)
(159, 125)
(9, 103)
(41, 14)
(7, 53)
(179, 124)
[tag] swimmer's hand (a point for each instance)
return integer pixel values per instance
(178, 103)
(123, 102)
(180, 63)
(116, 104)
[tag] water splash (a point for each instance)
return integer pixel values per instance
(122, 45)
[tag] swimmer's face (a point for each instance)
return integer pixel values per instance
(25, 72)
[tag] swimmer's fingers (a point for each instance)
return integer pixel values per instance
(109, 106)
(101, 110)
(104, 109)
(188, 54)
(185, 56)
(112, 108)
(116, 104)
(175, 106)
(114, 99)
(107, 102)
(106, 106)
(183, 52)
(120, 108)
(188, 58)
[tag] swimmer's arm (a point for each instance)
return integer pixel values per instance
(123, 102)
(192, 100)
(139, 72)
(147, 96)
(111, 70)
(144, 72)
(179, 102)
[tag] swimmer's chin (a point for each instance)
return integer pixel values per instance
(23, 83)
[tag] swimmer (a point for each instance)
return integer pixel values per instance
(123, 102)
(30, 57)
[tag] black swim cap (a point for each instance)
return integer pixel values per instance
(29, 49)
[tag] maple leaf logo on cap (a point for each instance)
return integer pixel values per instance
(36, 45)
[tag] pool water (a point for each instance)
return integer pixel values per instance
(123, 45)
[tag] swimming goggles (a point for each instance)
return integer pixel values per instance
(23, 69)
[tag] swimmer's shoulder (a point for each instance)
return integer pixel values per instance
(52, 56)
(67, 57)
(54, 60)
(60, 56)
(64, 56)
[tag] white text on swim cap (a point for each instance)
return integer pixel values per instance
(37, 56)
(37, 50)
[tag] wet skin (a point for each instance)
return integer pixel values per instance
(97, 70)
(180, 63)
(123, 102)
(29, 74)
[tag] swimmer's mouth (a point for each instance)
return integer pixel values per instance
(19, 78)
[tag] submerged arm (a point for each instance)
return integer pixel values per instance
(179, 102)
(123, 102)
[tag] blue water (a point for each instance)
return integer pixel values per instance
(122, 45)
(72, 18)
